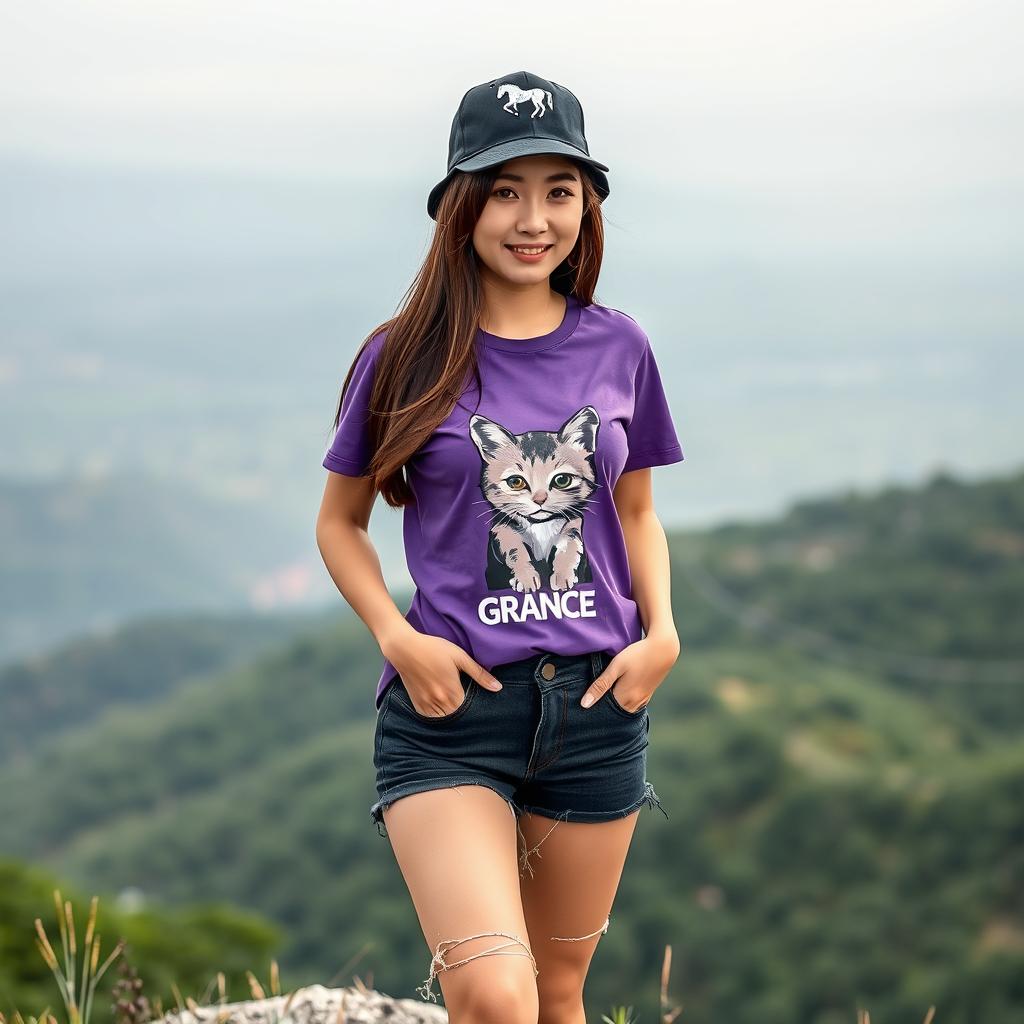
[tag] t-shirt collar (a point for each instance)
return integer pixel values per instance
(543, 341)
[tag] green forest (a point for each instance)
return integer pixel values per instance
(837, 748)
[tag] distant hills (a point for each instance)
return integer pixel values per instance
(87, 554)
(921, 586)
(137, 664)
(838, 749)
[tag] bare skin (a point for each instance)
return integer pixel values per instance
(570, 893)
(466, 881)
(463, 881)
(539, 202)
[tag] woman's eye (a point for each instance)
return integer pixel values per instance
(505, 188)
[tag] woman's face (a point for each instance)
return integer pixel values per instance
(535, 201)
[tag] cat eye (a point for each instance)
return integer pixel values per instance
(560, 480)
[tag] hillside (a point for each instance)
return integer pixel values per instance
(842, 832)
(134, 664)
(920, 586)
(87, 553)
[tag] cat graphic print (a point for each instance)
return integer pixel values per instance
(537, 485)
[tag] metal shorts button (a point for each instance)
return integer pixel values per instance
(548, 670)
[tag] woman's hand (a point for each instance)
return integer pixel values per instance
(641, 667)
(429, 666)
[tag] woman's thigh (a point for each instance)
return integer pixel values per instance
(456, 849)
(568, 897)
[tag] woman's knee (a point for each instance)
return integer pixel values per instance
(560, 1001)
(504, 996)
(485, 976)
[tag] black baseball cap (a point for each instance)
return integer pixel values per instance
(520, 114)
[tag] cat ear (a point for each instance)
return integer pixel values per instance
(581, 428)
(489, 436)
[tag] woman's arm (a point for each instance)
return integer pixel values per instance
(429, 665)
(647, 551)
(642, 666)
(351, 558)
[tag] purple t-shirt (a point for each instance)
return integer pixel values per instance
(514, 542)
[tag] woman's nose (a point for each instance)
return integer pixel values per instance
(533, 220)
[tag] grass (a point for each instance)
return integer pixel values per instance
(77, 983)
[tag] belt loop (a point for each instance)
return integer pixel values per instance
(596, 664)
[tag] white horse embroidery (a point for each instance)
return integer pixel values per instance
(517, 95)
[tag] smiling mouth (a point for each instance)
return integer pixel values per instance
(529, 250)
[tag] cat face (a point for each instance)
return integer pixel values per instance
(541, 474)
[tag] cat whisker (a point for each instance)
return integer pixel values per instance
(492, 511)
(572, 509)
(499, 514)
(490, 508)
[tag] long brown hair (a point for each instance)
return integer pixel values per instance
(429, 348)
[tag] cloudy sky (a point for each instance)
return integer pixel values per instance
(881, 93)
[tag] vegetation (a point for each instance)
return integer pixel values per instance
(837, 749)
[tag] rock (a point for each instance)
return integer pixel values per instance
(315, 1004)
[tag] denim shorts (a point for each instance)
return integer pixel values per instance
(531, 742)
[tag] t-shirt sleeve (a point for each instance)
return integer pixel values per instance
(349, 452)
(651, 434)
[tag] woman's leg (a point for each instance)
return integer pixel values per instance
(568, 894)
(456, 849)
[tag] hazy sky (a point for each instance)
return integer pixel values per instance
(877, 94)
(816, 211)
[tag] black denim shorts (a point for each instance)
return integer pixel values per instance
(531, 742)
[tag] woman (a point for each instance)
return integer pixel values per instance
(526, 418)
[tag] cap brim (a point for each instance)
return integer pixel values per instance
(515, 148)
(523, 147)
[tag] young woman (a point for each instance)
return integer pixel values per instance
(515, 420)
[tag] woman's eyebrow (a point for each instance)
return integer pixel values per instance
(560, 176)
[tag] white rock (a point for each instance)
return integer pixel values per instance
(316, 1004)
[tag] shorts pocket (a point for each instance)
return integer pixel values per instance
(610, 697)
(403, 700)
